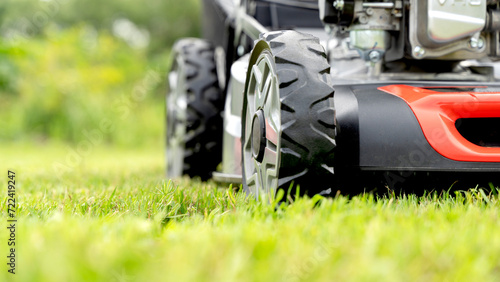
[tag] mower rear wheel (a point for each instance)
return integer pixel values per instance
(194, 104)
(288, 121)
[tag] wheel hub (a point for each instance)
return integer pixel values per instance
(261, 128)
(258, 135)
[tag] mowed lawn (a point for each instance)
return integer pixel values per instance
(109, 215)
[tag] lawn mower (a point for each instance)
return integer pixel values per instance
(338, 95)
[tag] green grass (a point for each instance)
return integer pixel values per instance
(93, 204)
(113, 217)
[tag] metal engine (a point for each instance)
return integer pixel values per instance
(385, 34)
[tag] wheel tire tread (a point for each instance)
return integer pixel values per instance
(205, 103)
(305, 131)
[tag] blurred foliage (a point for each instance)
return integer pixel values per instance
(164, 20)
(68, 85)
(70, 69)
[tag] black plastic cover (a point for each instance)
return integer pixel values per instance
(379, 131)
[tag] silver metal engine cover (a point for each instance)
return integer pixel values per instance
(446, 21)
(448, 29)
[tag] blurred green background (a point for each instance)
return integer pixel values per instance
(74, 70)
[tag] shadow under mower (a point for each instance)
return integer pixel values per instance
(338, 95)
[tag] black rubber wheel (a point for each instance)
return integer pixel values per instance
(194, 104)
(288, 121)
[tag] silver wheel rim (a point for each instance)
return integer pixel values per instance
(176, 119)
(263, 104)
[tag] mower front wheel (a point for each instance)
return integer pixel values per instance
(288, 121)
